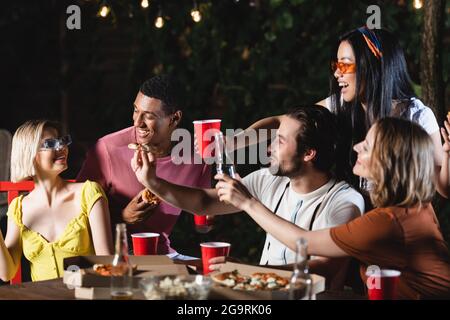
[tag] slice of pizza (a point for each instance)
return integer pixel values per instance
(102, 269)
(108, 269)
(137, 146)
(230, 279)
(150, 198)
(269, 280)
(245, 287)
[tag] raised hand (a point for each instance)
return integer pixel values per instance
(446, 135)
(232, 191)
(137, 210)
(144, 167)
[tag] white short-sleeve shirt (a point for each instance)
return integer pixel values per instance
(335, 203)
(417, 112)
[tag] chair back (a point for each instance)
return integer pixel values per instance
(5, 160)
(13, 190)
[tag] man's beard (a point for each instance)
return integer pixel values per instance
(280, 171)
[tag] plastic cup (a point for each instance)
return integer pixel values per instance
(203, 224)
(383, 285)
(204, 131)
(145, 243)
(212, 250)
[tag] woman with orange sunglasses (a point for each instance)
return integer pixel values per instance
(369, 81)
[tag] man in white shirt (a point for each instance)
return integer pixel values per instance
(298, 190)
(332, 204)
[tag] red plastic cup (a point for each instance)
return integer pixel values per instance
(383, 285)
(204, 131)
(203, 224)
(212, 250)
(145, 243)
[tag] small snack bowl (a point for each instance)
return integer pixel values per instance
(191, 287)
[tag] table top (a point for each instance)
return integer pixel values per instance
(39, 290)
(57, 290)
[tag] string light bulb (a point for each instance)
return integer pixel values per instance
(418, 4)
(144, 4)
(195, 13)
(104, 11)
(159, 22)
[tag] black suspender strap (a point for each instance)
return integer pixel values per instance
(313, 218)
(281, 198)
(276, 209)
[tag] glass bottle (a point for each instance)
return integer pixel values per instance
(224, 163)
(122, 271)
(300, 287)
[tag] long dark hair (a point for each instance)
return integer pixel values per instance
(379, 81)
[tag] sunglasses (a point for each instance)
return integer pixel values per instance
(344, 68)
(56, 144)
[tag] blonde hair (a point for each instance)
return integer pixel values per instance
(25, 146)
(403, 164)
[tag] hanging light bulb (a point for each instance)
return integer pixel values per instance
(195, 13)
(159, 22)
(104, 11)
(418, 4)
(144, 4)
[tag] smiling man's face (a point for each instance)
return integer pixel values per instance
(153, 126)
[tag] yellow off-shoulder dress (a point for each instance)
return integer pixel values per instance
(46, 258)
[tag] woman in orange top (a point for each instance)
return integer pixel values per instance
(58, 219)
(401, 233)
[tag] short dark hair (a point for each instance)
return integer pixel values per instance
(318, 131)
(165, 88)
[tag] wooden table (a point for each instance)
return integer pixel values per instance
(40, 290)
(57, 290)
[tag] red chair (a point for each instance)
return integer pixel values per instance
(13, 189)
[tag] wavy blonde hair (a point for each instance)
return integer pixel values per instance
(403, 164)
(25, 146)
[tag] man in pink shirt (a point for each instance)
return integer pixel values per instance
(156, 115)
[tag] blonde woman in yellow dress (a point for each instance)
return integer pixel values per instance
(58, 219)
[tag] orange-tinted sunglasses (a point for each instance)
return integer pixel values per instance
(343, 67)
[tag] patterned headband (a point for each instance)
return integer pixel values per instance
(372, 41)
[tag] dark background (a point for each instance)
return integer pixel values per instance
(245, 60)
